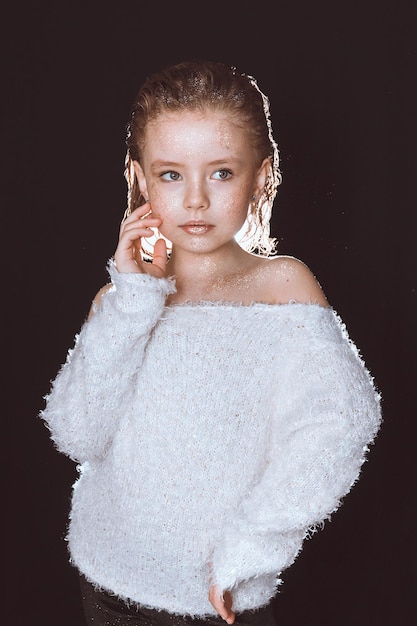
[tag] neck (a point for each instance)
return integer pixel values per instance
(190, 267)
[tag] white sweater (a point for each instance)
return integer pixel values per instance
(210, 433)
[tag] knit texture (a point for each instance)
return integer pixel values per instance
(211, 439)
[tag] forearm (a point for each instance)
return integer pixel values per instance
(327, 416)
(88, 395)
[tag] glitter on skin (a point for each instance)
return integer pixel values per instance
(187, 157)
(197, 147)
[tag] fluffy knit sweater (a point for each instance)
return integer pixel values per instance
(211, 439)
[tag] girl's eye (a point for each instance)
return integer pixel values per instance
(222, 174)
(171, 176)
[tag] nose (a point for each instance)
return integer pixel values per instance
(196, 196)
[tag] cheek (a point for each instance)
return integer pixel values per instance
(159, 201)
(163, 207)
(237, 209)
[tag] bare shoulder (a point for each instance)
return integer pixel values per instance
(97, 299)
(289, 279)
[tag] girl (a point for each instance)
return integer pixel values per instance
(215, 405)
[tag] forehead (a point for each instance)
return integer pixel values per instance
(190, 130)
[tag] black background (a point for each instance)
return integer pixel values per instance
(341, 80)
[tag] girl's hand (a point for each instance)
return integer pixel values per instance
(128, 254)
(222, 602)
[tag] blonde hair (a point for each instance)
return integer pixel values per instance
(198, 85)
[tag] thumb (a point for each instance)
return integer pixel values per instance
(160, 255)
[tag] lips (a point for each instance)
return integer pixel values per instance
(197, 227)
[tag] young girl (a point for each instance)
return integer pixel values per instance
(214, 403)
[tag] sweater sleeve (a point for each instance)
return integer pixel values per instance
(325, 418)
(83, 408)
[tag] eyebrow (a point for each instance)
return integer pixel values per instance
(161, 164)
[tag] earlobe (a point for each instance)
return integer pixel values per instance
(140, 176)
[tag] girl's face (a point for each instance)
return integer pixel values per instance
(200, 174)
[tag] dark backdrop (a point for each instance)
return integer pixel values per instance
(340, 77)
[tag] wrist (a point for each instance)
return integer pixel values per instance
(138, 290)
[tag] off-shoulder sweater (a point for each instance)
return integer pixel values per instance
(211, 439)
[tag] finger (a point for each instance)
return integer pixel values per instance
(229, 615)
(225, 613)
(136, 231)
(146, 222)
(222, 604)
(139, 213)
(160, 255)
(132, 236)
(137, 250)
(141, 210)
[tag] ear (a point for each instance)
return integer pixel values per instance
(261, 177)
(140, 176)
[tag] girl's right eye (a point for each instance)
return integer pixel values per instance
(171, 176)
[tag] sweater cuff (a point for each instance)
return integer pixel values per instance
(132, 290)
(243, 556)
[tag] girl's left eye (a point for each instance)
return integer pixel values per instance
(222, 174)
